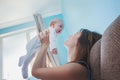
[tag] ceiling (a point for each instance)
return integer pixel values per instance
(11, 10)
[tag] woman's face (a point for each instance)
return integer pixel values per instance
(72, 41)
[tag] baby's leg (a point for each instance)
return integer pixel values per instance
(21, 60)
(26, 64)
(32, 47)
(27, 61)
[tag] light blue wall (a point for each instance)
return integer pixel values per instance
(91, 14)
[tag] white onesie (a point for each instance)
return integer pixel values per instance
(32, 46)
(35, 43)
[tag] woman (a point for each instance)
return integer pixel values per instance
(79, 46)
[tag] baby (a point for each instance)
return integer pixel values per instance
(56, 27)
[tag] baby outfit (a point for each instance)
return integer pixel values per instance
(32, 47)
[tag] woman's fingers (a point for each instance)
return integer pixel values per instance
(47, 34)
(44, 37)
(41, 35)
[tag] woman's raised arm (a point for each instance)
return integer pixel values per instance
(40, 60)
(71, 71)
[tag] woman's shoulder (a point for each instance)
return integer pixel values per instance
(77, 66)
(77, 69)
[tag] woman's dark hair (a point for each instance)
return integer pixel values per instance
(85, 42)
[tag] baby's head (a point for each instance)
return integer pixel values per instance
(57, 24)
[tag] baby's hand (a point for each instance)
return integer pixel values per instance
(54, 51)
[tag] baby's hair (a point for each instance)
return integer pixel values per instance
(55, 21)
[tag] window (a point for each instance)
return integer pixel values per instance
(14, 46)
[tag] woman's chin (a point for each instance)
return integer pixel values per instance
(65, 44)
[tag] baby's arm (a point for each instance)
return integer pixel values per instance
(52, 38)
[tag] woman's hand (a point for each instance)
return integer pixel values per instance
(40, 61)
(44, 38)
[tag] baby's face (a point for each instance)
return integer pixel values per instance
(58, 27)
